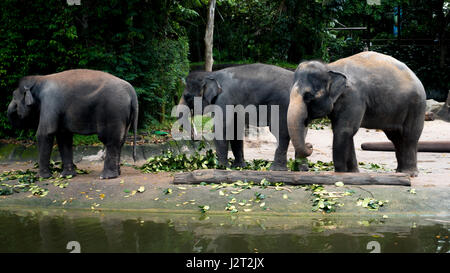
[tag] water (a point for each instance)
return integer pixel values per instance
(44, 231)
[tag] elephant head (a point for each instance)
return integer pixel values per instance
(201, 85)
(23, 104)
(315, 89)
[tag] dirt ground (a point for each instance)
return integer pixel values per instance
(434, 167)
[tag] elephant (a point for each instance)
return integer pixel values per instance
(252, 84)
(78, 101)
(369, 90)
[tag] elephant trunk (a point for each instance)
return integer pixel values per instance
(297, 114)
(13, 116)
(180, 103)
(181, 116)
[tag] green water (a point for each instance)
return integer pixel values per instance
(43, 231)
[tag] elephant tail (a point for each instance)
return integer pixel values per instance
(135, 112)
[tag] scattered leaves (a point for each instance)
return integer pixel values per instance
(204, 208)
(370, 203)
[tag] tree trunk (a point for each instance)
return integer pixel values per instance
(209, 33)
(292, 178)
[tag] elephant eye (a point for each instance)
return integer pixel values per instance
(308, 97)
(317, 86)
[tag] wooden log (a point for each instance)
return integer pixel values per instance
(292, 178)
(423, 146)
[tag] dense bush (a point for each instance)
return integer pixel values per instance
(262, 30)
(280, 31)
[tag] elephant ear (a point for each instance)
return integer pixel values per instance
(337, 84)
(211, 89)
(29, 100)
(27, 83)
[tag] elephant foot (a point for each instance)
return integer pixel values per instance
(413, 172)
(108, 174)
(240, 164)
(278, 167)
(303, 167)
(68, 172)
(353, 170)
(223, 166)
(45, 173)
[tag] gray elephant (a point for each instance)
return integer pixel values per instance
(369, 90)
(77, 101)
(253, 84)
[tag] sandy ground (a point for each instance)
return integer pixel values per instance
(434, 167)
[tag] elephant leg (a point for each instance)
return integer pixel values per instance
(412, 129)
(344, 157)
(113, 141)
(110, 167)
(280, 158)
(345, 122)
(405, 152)
(65, 141)
(45, 145)
(341, 141)
(352, 163)
(121, 146)
(222, 152)
(237, 146)
(409, 157)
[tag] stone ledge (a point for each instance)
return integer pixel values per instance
(22, 153)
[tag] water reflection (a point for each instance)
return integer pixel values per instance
(42, 232)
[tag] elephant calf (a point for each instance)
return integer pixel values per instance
(246, 85)
(77, 101)
(368, 90)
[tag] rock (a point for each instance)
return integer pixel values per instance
(429, 116)
(444, 112)
(433, 106)
(440, 110)
(98, 157)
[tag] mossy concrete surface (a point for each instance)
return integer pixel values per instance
(10, 152)
(88, 192)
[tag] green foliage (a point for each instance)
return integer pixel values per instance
(319, 124)
(27, 181)
(323, 200)
(370, 203)
(289, 31)
(169, 162)
(262, 30)
(85, 140)
(169, 65)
